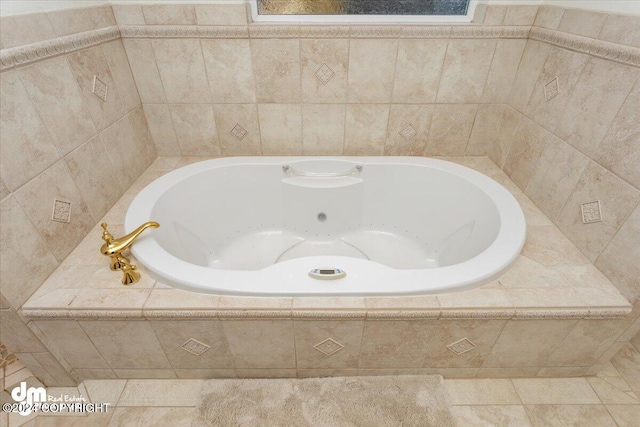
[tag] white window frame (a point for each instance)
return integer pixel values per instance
(365, 19)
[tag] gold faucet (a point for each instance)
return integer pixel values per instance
(113, 248)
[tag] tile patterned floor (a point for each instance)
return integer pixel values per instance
(609, 399)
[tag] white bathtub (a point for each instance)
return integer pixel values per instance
(394, 225)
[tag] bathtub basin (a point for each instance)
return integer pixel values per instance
(298, 226)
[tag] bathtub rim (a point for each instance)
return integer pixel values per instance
(481, 269)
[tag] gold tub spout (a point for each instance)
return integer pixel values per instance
(113, 248)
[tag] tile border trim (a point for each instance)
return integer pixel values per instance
(23, 55)
(261, 31)
(183, 31)
(623, 54)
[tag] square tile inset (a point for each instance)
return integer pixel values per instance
(239, 132)
(195, 347)
(408, 132)
(551, 89)
(461, 346)
(99, 89)
(328, 346)
(324, 74)
(61, 211)
(591, 212)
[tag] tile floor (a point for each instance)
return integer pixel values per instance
(609, 399)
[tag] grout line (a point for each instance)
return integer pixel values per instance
(226, 340)
(538, 164)
(115, 404)
(295, 347)
(516, 390)
(228, 347)
(595, 392)
(346, 103)
(604, 24)
(486, 78)
(155, 335)
(473, 123)
(618, 371)
(87, 390)
(395, 72)
(364, 325)
(157, 69)
(387, 132)
(503, 98)
(257, 95)
(515, 132)
(515, 76)
(615, 387)
(444, 60)
(121, 393)
(537, 13)
(493, 345)
(427, 132)
(525, 106)
(211, 100)
(611, 415)
(542, 404)
(144, 15)
(95, 347)
(300, 108)
(124, 51)
(321, 103)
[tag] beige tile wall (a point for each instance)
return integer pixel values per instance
(60, 141)
(583, 144)
(374, 87)
(298, 346)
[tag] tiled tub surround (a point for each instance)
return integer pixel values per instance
(41, 146)
(352, 90)
(59, 141)
(574, 133)
(552, 314)
(207, 79)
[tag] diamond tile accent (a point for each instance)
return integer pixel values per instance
(239, 132)
(408, 132)
(194, 346)
(61, 211)
(99, 88)
(461, 346)
(328, 346)
(551, 89)
(324, 74)
(591, 212)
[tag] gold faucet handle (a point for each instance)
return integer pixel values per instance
(113, 248)
(129, 273)
(106, 236)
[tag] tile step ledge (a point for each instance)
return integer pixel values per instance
(550, 279)
(528, 314)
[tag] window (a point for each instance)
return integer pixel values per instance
(369, 11)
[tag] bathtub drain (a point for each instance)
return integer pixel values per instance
(322, 217)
